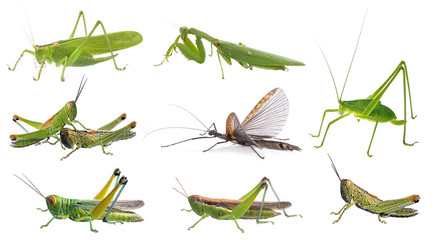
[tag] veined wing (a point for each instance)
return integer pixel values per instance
(231, 204)
(122, 205)
(268, 117)
(97, 45)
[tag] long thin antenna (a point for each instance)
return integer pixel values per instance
(190, 114)
(81, 88)
(30, 29)
(34, 188)
(330, 70)
(185, 195)
(334, 168)
(159, 129)
(354, 54)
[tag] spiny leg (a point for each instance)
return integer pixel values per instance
(328, 126)
(382, 221)
(203, 217)
(261, 207)
(77, 148)
(370, 143)
(75, 55)
(105, 189)
(341, 212)
(322, 121)
(15, 66)
(406, 78)
(278, 199)
(124, 182)
(40, 70)
(237, 225)
(107, 153)
(77, 22)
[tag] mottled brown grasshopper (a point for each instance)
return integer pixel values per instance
(354, 195)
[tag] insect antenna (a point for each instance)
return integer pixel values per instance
(190, 114)
(185, 194)
(334, 168)
(159, 129)
(354, 54)
(34, 188)
(330, 70)
(81, 87)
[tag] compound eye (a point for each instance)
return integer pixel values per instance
(52, 200)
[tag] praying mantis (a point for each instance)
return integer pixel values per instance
(245, 56)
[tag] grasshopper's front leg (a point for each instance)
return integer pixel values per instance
(15, 66)
(341, 212)
(46, 225)
(328, 126)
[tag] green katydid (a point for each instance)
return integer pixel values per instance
(354, 195)
(80, 52)
(100, 208)
(370, 108)
(101, 137)
(48, 129)
(244, 208)
(245, 56)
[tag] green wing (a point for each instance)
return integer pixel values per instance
(97, 45)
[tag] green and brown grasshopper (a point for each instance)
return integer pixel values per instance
(101, 137)
(354, 195)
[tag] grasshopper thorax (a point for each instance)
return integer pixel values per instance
(53, 204)
(43, 53)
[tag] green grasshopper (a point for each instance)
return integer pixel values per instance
(48, 129)
(244, 208)
(370, 108)
(97, 209)
(79, 52)
(101, 137)
(354, 195)
(245, 56)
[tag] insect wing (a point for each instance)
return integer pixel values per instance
(268, 117)
(122, 205)
(231, 204)
(236, 132)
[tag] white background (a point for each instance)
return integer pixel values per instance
(393, 31)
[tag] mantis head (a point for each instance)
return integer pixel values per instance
(183, 33)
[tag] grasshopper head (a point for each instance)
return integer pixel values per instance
(346, 189)
(183, 33)
(196, 204)
(53, 204)
(66, 138)
(71, 110)
(342, 108)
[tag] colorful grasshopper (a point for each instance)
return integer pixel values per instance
(48, 129)
(370, 108)
(101, 137)
(96, 209)
(354, 195)
(245, 56)
(266, 120)
(79, 52)
(244, 208)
